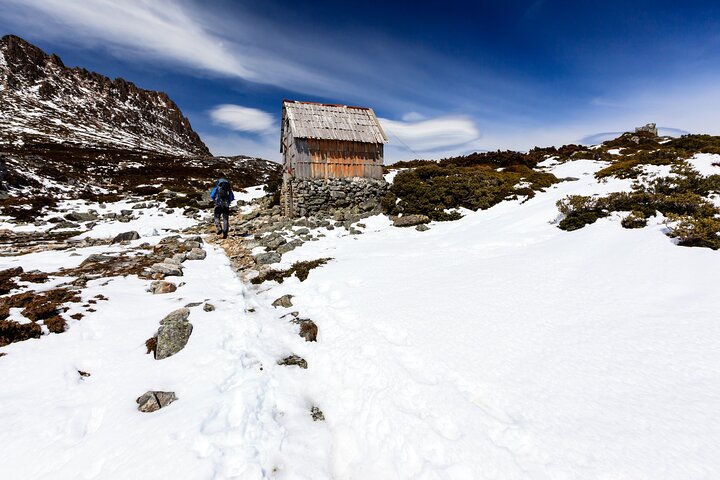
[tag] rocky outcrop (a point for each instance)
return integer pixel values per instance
(43, 101)
(173, 334)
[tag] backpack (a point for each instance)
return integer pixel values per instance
(222, 195)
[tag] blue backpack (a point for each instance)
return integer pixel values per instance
(222, 193)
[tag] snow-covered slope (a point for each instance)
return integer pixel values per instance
(43, 101)
(494, 347)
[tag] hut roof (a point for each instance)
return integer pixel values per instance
(333, 122)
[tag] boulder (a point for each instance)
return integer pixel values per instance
(410, 220)
(422, 228)
(209, 307)
(284, 301)
(196, 254)
(126, 237)
(159, 287)
(96, 258)
(173, 334)
(167, 269)
(81, 216)
(152, 400)
(267, 258)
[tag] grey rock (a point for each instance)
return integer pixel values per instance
(81, 216)
(422, 228)
(209, 307)
(194, 238)
(66, 224)
(410, 220)
(196, 254)
(282, 249)
(173, 334)
(293, 360)
(267, 258)
(96, 258)
(126, 237)
(190, 244)
(152, 400)
(126, 213)
(159, 287)
(176, 259)
(284, 301)
(302, 231)
(167, 269)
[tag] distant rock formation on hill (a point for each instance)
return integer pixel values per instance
(45, 102)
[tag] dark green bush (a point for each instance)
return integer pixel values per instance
(696, 231)
(634, 220)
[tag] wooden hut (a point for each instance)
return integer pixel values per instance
(324, 141)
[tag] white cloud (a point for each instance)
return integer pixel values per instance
(413, 117)
(161, 29)
(243, 119)
(432, 134)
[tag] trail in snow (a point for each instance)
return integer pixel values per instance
(238, 414)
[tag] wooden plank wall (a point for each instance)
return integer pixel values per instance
(336, 159)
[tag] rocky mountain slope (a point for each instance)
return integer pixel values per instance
(45, 102)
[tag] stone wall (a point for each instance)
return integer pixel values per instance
(302, 198)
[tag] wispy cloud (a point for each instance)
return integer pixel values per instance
(243, 119)
(432, 134)
(161, 29)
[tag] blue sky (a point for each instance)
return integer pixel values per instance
(444, 77)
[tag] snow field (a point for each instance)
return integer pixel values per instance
(499, 346)
(493, 347)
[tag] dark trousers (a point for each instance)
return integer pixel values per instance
(222, 219)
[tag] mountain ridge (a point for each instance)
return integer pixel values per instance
(47, 102)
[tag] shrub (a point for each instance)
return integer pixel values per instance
(696, 231)
(630, 166)
(432, 189)
(634, 219)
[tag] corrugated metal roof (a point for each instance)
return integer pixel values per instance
(333, 122)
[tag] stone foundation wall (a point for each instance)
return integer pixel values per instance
(302, 198)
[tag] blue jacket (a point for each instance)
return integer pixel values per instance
(213, 194)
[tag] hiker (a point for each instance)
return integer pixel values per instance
(223, 195)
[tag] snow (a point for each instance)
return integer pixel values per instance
(703, 163)
(493, 347)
